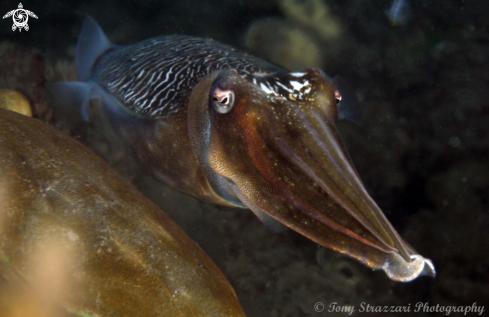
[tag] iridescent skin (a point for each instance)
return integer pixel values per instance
(278, 157)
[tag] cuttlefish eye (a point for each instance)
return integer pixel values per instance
(337, 95)
(222, 100)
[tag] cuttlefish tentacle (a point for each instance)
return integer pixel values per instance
(285, 149)
(287, 159)
(354, 183)
(342, 179)
(260, 159)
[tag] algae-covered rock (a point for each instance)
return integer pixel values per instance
(80, 240)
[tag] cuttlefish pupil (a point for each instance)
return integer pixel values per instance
(222, 100)
(277, 151)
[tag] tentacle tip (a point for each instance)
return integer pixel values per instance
(429, 269)
(398, 269)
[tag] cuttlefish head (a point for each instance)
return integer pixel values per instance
(270, 142)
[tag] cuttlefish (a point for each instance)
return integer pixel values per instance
(234, 130)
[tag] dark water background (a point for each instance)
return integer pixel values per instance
(422, 149)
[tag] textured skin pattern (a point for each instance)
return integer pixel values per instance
(277, 151)
(156, 77)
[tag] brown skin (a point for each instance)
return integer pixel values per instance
(122, 256)
(287, 159)
(280, 156)
(163, 149)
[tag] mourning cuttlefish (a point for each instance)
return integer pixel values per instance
(234, 130)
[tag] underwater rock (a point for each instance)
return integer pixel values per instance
(22, 69)
(284, 44)
(314, 14)
(73, 231)
(15, 101)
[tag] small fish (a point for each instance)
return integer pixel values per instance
(232, 129)
(399, 12)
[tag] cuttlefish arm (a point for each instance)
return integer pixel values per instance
(280, 154)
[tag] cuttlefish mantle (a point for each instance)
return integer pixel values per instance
(232, 129)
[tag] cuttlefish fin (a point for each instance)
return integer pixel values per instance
(92, 43)
(69, 96)
(77, 94)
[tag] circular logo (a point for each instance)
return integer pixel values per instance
(20, 18)
(319, 307)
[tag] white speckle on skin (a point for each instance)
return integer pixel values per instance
(297, 85)
(284, 87)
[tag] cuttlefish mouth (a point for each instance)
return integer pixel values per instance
(272, 144)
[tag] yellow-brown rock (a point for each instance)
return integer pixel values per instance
(15, 101)
(76, 238)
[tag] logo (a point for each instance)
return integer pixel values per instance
(20, 17)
